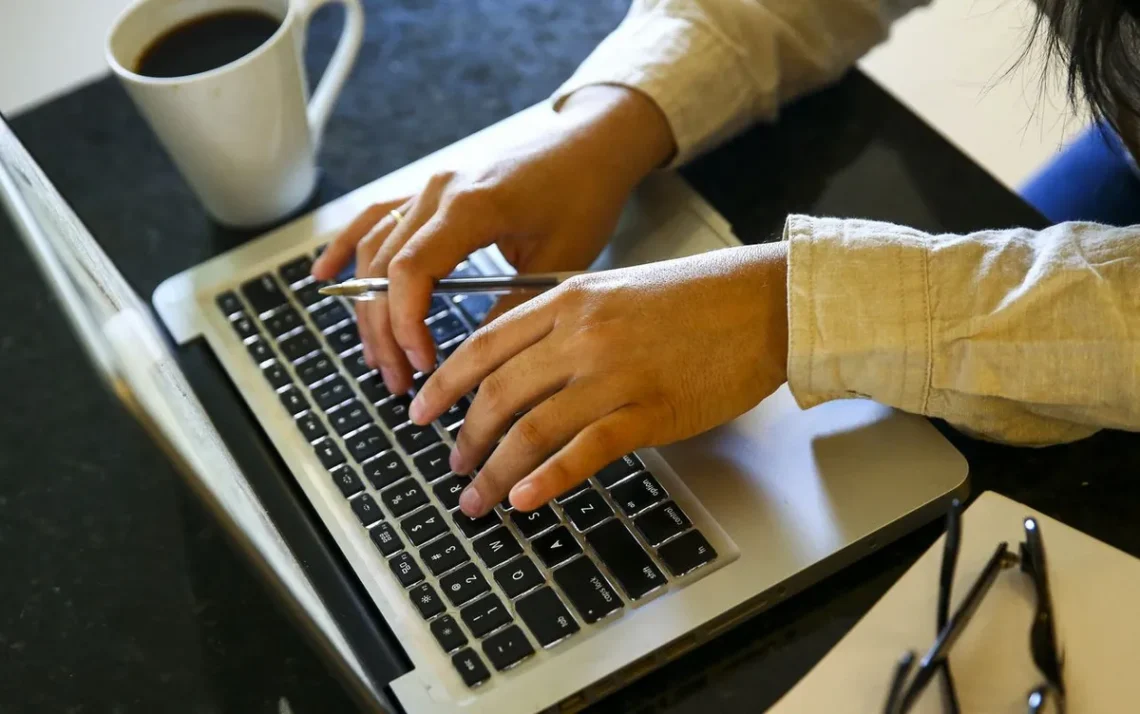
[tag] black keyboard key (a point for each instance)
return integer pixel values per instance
(448, 490)
(296, 270)
(472, 527)
(507, 648)
(546, 616)
(374, 390)
(355, 364)
(448, 633)
(282, 321)
(263, 293)
(455, 414)
(331, 393)
(423, 525)
(329, 453)
(587, 510)
(347, 481)
(366, 443)
(439, 304)
(497, 547)
(476, 307)
(566, 496)
(394, 412)
(293, 400)
(299, 345)
(349, 417)
(433, 463)
(344, 338)
(366, 509)
(556, 547)
(505, 504)
(260, 351)
(406, 570)
(531, 523)
(426, 600)
(385, 538)
(661, 523)
(404, 497)
(485, 615)
(311, 427)
(617, 470)
(384, 470)
(315, 368)
(686, 553)
(470, 667)
(518, 576)
(419, 380)
(329, 315)
(464, 585)
(638, 493)
(243, 326)
(309, 294)
(587, 589)
(446, 328)
(229, 303)
(443, 555)
(275, 374)
(414, 438)
(625, 558)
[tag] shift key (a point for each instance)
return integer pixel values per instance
(588, 591)
(626, 559)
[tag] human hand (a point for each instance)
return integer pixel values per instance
(550, 204)
(610, 362)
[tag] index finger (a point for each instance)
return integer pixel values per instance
(343, 247)
(482, 353)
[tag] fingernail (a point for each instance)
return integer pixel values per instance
(416, 413)
(524, 495)
(471, 502)
(456, 460)
(389, 380)
(420, 362)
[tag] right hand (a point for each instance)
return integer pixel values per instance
(549, 204)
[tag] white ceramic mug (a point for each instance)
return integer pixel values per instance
(244, 135)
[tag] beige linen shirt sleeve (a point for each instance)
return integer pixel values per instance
(1028, 337)
(1021, 336)
(716, 66)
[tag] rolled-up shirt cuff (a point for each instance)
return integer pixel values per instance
(858, 312)
(685, 68)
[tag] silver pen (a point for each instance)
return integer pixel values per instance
(367, 288)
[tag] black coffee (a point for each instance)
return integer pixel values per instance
(206, 43)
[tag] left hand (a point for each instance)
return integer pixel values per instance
(610, 362)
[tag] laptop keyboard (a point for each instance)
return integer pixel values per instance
(592, 552)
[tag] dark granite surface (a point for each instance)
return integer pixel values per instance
(119, 594)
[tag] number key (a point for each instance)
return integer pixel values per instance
(463, 585)
(404, 497)
(443, 555)
(422, 526)
(385, 470)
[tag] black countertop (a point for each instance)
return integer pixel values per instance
(118, 592)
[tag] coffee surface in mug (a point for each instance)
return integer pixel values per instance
(206, 42)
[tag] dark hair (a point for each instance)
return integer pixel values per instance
(1098, 41)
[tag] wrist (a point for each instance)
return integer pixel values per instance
(620, 129)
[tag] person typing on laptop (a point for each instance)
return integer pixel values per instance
(1021, 336)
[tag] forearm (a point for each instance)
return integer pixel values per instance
(1020, 336)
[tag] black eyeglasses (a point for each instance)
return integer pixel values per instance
(1042, 634)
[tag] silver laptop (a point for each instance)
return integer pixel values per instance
(513, 612)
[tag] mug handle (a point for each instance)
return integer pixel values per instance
(332, 81)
